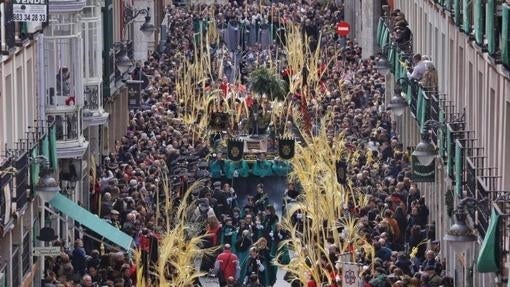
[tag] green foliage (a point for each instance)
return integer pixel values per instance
(264, 81)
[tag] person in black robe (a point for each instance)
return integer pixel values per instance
(253, 266)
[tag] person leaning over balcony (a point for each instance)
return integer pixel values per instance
(419, 68)
(429, 79)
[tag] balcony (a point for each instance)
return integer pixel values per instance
(66, 6)
(70, 140)
(93, 112)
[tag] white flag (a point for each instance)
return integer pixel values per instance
(350, 275)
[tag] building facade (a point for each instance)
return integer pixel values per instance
(22, 131)
(63, 97)
(469, 46)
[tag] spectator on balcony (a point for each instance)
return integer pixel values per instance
(429, 80)
(402, 35)
(63, 85)
(419, 68)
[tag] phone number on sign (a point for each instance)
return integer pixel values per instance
(29, 17)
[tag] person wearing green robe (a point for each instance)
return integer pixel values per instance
(243, 244)
(216, 166)
(239, 168)
(261, 199)
(280, 168)
(259, 228)
(228, 234)
(262, 168)
(270, 233)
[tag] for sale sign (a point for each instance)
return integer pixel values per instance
(30, 10)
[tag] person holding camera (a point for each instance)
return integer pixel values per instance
(253, 266)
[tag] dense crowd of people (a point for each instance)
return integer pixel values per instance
(158, 142)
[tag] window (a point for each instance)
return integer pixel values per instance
(470, 95)
(20, 105)
(63, 54)
(430, 40)
(451, 69)
(494, 129)
(442, 63)
(436, 47)
(91, 43)
(481, 119)
(31, 96)
(9, 114)
(460, 80)
(507, 150)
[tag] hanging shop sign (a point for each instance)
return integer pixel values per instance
(30, 10)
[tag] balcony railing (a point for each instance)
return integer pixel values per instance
(93, 113)
(68, 134)
(25, 255)
(92, 99)
(22, 185)
(487, 21)
(15, 266)
(67, 123)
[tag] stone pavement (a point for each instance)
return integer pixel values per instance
(212, 282)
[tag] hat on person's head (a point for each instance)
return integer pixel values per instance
(114, 212)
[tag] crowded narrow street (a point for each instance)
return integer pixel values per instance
(249, 143)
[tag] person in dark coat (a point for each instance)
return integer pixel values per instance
(220, 197)
(79, 258)
(253, 266)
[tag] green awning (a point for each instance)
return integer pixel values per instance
(488, 257)
(92, 221)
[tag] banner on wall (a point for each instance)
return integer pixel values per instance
(423, 173)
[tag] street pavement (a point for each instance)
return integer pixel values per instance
(213, 282)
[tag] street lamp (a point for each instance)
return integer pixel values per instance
(382, 64)
(131, 13)
(123, 62)
(147, 28)
(425, 151)
(47, 186)
(460, 236)
(397, 104)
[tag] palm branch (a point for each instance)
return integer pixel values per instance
(264, 81)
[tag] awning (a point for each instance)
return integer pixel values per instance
(488, 256)
(92, 221)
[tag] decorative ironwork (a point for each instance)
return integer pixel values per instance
(22, 187)
(91, 97)
(67, 125)
(25, 254)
